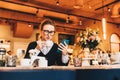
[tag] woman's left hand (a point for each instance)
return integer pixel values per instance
(63, 48)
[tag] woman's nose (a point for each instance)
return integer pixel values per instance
(49, 35)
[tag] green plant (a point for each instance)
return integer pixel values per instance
(88, 39)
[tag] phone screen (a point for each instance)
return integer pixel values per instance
(63, 42)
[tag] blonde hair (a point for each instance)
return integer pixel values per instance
(46, 22)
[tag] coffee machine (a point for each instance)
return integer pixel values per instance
(2, 54)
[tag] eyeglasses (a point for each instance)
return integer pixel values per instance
(46, 32)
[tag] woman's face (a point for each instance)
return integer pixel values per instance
(47, 32)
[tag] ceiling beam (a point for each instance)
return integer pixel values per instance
(40, 5)
(107, 5)
(63, 12)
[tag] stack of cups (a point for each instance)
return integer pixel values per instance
(77, 62)
(11, 60)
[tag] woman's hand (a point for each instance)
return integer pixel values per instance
(63, 48)
(40, 45)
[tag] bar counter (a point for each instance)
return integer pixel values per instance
(104, 72)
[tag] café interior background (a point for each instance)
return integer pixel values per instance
(20, 26)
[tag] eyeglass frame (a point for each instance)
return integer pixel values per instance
(46, 32)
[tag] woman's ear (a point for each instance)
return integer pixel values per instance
(37, 36)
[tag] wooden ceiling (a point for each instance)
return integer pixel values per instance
(61, 9)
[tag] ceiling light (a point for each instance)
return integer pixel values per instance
(108, 9)
(80, 22)
(94, 22)
(37, 11)
(104, 27)
(104, 23)
(57, 2)
(76, 6)
(90, 7)
(29, 25)
(68, 19)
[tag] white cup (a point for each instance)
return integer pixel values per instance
(25, 62)
(95, 62)
(43, 63)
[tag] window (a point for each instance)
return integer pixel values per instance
(115, 43)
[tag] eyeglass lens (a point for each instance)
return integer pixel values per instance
(49, 32)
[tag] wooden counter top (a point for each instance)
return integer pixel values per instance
(60, 67)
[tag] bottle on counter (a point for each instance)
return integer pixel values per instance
(11, 59)
(2, 54)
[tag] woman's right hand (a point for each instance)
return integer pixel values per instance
(40, 45)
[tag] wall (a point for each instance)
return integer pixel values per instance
(22, 43)
(7, 34)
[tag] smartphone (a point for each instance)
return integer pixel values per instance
(63, 42)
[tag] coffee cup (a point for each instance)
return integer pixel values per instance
(11, 60)
(77, 62)
(41, 61)
(25, 62)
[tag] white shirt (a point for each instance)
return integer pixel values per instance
(45, 51)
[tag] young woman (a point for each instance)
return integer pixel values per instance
(45, 47)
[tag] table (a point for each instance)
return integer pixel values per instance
(60, 73)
